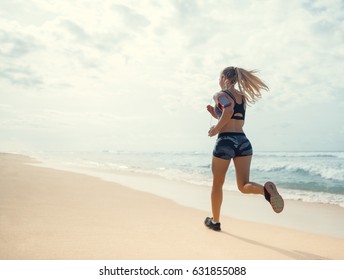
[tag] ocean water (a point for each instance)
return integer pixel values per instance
(306, 176)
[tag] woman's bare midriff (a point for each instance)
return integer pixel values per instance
(233, 126)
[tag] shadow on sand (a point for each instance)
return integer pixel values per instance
(296, 255)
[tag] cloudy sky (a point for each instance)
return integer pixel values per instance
(137, 75)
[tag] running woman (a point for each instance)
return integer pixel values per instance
(232, 143)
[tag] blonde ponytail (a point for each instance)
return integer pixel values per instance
(249, 84)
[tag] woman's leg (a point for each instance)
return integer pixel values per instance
(219, 169)
(242, 170)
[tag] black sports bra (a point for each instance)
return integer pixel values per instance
(239, 109)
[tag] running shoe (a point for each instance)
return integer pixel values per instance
(209, 223)
(272, 195)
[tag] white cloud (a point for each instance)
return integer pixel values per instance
(108, 65)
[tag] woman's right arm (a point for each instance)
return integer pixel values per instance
(211, 110)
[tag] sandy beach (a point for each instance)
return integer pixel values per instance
(52, 214)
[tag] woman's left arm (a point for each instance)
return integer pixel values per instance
(225, 118)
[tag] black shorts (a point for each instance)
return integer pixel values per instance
(232, 144)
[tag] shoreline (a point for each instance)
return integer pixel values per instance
(320, 218)
(53, 214)
(292, 176)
